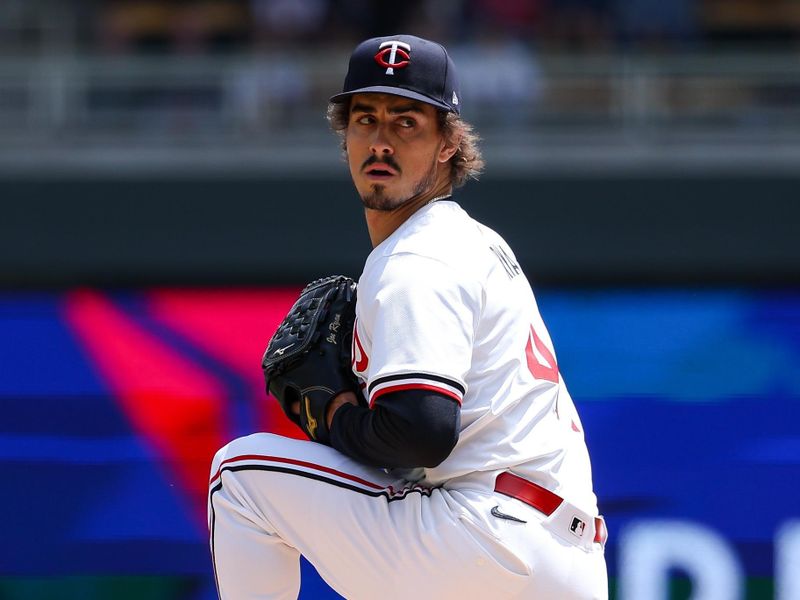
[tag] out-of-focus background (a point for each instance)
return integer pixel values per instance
(168, 182)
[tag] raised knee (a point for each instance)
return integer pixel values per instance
(252, 446)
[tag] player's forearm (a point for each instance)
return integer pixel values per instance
(405, 429)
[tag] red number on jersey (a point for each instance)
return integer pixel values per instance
(542, 363)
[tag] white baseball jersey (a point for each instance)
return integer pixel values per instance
(443, 305)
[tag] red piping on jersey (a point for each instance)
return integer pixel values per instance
(414, 386)
(300, 463)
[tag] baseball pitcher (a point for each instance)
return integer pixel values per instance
(445, 456)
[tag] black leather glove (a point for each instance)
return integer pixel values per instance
(308, 358)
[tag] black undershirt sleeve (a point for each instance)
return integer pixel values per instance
(407, 429)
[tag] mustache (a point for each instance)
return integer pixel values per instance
(388, 160)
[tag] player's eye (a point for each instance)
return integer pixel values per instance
(406, 122)
(364, 119)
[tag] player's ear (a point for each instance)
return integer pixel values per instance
(449, 148)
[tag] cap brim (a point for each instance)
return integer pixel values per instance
(385, 89)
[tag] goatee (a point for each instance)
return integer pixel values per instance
(377, 199)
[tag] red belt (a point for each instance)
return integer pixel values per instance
(541, 499)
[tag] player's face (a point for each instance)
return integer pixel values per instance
(395, 150)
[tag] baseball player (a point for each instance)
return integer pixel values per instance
(448, 460)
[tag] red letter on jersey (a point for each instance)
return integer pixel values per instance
(360, 359)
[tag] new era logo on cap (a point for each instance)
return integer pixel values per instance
(406, 66)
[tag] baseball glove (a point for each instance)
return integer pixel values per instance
(307, 361)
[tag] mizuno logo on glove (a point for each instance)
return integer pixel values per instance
(280, 351)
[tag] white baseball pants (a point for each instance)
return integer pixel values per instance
(371, 537)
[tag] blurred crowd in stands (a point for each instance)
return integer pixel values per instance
(215, 26)
(536, 56)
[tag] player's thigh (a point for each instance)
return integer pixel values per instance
(291, 482)
(318, 501)
(366, 535)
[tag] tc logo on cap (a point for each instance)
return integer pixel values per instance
(389, 53)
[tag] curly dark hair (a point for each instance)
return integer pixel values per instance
(466, 163)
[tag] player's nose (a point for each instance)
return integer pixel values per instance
(380, 145)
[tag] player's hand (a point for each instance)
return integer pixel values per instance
(343, 398)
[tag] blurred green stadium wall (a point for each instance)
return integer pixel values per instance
(697, 229)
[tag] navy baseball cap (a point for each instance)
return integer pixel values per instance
(403, 65)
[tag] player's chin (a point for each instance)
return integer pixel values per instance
(377, 198)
